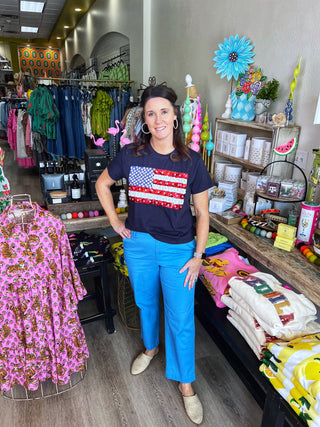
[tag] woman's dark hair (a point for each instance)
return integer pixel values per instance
(162, 91)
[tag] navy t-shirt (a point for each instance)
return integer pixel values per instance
(159, 192)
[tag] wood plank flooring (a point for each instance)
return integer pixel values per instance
(109, 396)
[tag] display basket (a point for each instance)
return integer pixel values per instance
(127, 309)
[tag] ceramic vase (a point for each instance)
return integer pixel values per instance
(242, 108)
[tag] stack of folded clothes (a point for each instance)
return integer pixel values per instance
(216, 271)
(87, 249)
(264, 311)
(293, 368)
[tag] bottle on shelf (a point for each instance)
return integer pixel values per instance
(75, 188)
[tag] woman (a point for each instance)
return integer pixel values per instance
(159, 246)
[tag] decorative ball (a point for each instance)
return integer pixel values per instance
(86, 214)
(122, 210)
(257, 231)
(96, 213)
(274, 235)
(263, 233)
(252, 229)
(91, 214)
(186, 127)
(317, 261)
(80, 215)
(195, 147)
(74, 215)
(63, 216)
(205, 126)
(195, 137)
(309, 254)
(209, 146)
(313, 258)
(269, 235)
(69, 215)
(248, 226)
(305, 251)
(303, 247)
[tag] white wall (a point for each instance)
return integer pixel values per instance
(122, 16)
(185, 34)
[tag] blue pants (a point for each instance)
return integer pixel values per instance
(153, 265)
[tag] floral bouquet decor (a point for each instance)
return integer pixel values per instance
(243, 96)
(233, 57)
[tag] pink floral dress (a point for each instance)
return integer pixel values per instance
(40, 332)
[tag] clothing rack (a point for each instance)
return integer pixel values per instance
(119, 83)
(115, 57)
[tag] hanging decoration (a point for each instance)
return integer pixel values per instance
(40, 61)
(187, 118)
(196, 131)
(205, 134)
(233, 57)
(288, 110)
(209, 148)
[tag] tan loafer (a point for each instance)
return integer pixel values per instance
(141, 363)
(193, 408)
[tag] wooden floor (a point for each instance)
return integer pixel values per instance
(109, 396)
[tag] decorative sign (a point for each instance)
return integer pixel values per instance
(40, 61)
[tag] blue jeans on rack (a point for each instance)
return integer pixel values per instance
(152, 266)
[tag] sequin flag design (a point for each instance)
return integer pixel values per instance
(157, 187)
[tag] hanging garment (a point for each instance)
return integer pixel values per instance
(41, 335)
(102, 104)
(42, 108)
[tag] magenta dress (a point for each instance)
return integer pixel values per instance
(40, 332)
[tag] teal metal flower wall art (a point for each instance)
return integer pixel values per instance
(233, 57)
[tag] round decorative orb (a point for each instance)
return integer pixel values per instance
(317, 261)
(196, 129)
(205, 136)
(257, 231)
(209, 146)
(305, 251)
(69, 215)
(205, 126)
(313, 258)
(80, 215)
(85, 214)
(303, 247)
(263, 233)
(274, 235)
(186, 127)
(96, 213)
(195, 147)
(195, 137)
(91, 214)
(309, 254)
(63, 216)
(269, 235)
(253, 229)
(74, 215)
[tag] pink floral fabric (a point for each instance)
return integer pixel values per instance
(40, 332)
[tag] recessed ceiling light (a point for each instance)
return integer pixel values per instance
(77, 9)
(28, 45)
(31, 6)
(58, 38)
(66, 26)
(29, 29)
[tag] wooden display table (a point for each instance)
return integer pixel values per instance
(291, 267)
(83, 223)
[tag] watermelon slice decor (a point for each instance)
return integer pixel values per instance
(287, 147)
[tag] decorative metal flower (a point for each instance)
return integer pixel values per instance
(233, 57)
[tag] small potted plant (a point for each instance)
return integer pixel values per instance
(267, 94)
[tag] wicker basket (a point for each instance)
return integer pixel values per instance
(127, 309)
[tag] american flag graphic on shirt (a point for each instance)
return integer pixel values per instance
(157, 187)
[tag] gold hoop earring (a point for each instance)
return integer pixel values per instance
(146, 133)
(175, 124)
